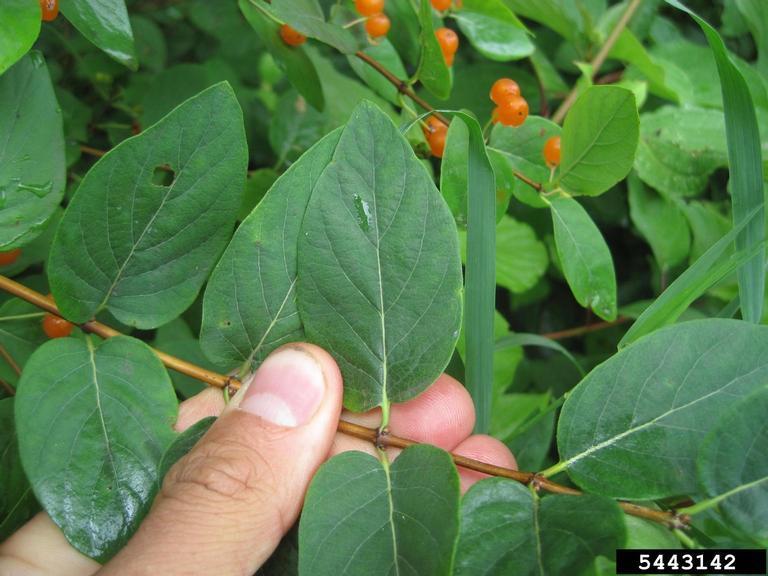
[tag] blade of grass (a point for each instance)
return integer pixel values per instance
(746, 169)
(710, 268)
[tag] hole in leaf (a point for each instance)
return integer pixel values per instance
(163, 175)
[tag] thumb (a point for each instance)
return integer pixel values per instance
(224, 507)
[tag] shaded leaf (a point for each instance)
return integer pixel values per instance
(93, 422)
(360, 515)
(17, 502)
(21, 332)
(145, 254)
(633, 426)
(307, 17)
(250, 300)
(433, 72)
(494, 30)
(507, 530)
(32, 165)
(19, 27)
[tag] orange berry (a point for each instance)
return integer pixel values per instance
(551, 151)
(503, 90)
(291, 37)
(441, 4)
(512, 112)
(56, 327)
(50, 9)
(436, 142)
(369, 7)
(377, 25)
(448, 59)
(8, 258)
(449, 41)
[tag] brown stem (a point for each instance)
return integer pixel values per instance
(599, 60)
(8, 358)
(581, 330)
(356, 430)
(92, 151)
(7, 387)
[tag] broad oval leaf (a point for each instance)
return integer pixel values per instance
(507, 530)
(19, 27)
(250, 300)
(733, 469)
(93, 423)
(599, 140)
(494, 30)
(433, 72)
(143, 249)
(379, 273)
(298, 67)
(633, 426)
(106, 24)
(32, 163)
(307, 17)
(362, 517)
(586, 259)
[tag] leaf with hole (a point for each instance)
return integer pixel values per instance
(151, 217)
(505, 529)
(379, 275)
(104, 414)
(361, 516)
(733, 469)
(250, 301)
(585, 257)
(633, 426)
(599, 140)
(32, 164)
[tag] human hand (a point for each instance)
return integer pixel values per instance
(224, 507)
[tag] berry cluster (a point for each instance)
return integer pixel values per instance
(511, 108)
(49, 10)
(449, 43)
(377, 24)
(435, 132)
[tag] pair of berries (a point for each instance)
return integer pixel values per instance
(511, 108)
(449, 43)
(49, 9)
(435, 132)
(8, 258)
(376, 24)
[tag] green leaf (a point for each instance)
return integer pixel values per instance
(19, 27)
(632, 427)
(176, 338)
(756, 15)
(521, 339)
(17, 502)
(662, 223)
(250, 301)
(586, 259)
(93, 422)
(494, 30)
(142, 249)
(298, 67)
(562, 17)
(679, 149)
(733, 470)
(106, 24)
(379, 274)
(384, 53)
(182, 444)
(599, 140)
(362, 517)
(405, 30)
(21, 333)
(711, 267)
(505, 529)
(522, 148)
(32, 165)
(746, 170)
(307, 17)
(433, 72)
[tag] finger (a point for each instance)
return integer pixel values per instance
(442, 415)
(224, 507)
(40, 549)
(209, 402)
(486, 449)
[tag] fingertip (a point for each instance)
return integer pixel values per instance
(485, 449)
(209, 402)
